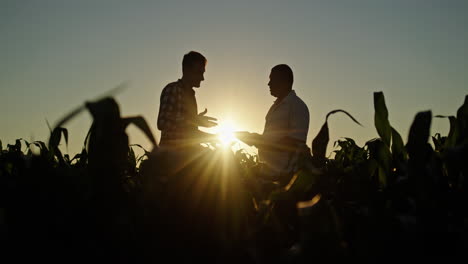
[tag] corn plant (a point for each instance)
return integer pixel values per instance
(387, 197)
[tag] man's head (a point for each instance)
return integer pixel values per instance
(281, 80)
(193, 68)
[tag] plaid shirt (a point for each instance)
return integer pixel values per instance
(177, 113)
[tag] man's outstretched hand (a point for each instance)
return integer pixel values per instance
(251, 139)
(206, 121)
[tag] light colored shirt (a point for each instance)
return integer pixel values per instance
(288, 117)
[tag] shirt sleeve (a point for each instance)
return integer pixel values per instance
(170, 112)
(299, 122)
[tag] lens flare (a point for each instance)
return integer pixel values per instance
(226, 133)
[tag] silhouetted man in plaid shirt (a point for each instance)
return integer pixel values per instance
(178, 117)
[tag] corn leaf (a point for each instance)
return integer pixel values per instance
(381, 118)
(300, 184)
(452, 137)
(398, 147)
(379, 152)
(141, 123)
(320, 142)
(69, 116)
(419, 133)
(462, 118)
(56, 137)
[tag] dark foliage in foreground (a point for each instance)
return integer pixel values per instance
(385, 200)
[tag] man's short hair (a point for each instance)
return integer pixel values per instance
(192, 58)
(285, 72)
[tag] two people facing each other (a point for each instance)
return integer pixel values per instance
(286, 122)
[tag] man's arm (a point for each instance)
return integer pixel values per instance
(170, 110)
(170, 114)
(295, 135)
(285, 143)
(167, 117)
(299, 122)
(202, 136)
(251, 139)
(204, 121)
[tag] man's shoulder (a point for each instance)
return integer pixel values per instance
(296, 100)
(171, 87)
(299, 107)
(300, 101)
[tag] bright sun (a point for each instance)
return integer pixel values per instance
(225, 133)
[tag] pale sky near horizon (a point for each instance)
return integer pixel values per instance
(55, 55)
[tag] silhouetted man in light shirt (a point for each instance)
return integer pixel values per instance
(286, 126)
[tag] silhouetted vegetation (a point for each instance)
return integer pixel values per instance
(386, 199)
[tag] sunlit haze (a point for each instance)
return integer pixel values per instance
(225, 132)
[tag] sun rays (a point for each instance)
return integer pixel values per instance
(225, 132)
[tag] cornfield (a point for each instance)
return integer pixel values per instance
(385, 200)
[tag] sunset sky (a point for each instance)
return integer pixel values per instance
(55, 55)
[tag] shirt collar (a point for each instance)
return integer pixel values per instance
(181, 85)
(288, 97)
